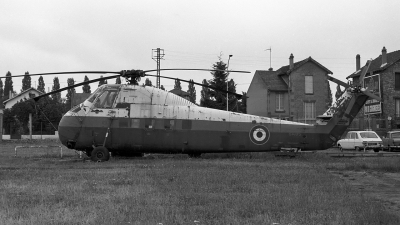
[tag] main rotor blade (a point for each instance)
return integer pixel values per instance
(73, 72)
(363, 72)
(239, 96)
(341, 83)
(368, 93)
(73, 86)
(230, 71)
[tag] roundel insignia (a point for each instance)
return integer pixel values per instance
(259, 135)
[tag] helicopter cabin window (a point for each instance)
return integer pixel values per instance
(149, 123)
(95, 94)
(309, 85)
(169, 124)
(106, 99)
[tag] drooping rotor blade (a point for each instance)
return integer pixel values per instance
(368, 93)
(239, 96)
(73, 72)
(230, 71)
(364, 72)
(341, 83)
(74, 86)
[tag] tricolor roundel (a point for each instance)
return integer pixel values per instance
(259, 135)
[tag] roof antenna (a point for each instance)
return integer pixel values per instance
(270, 51)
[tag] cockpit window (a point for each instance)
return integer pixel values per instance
(106, 99)
(95, 94)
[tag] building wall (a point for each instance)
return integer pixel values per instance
(298, 96)
(257, 102)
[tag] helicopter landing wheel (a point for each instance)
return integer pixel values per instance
(100, 154)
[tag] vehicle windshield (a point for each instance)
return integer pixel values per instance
(395, 135)
(368, 135)
(96, 93)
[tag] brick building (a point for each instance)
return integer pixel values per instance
(299, 91)
(383, 77)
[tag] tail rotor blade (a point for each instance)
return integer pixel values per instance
(368, 93)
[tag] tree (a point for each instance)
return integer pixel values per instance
(338, 92)
(56, 85)
(192, 91)
(86, 87)
(147, 82)
(205, 96)
(177, 84)
(162, 87)
(330, 100)
(118, 80)
(243, 103)
(1, 92)
(70, 93)
(8, 86)
(26, 82)
(101, 82)
(40, 86)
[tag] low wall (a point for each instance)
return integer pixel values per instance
(27, 137)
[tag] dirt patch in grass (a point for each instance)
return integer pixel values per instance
(378, 185)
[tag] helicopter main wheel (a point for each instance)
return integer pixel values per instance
(100, 154)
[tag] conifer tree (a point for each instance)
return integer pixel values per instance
(26, 82)
(338, 92)
(86, 87)
(8, 85)
(101, 82)
(70, 93)
(147, 82)
(41, 86)
(162, 87)
(56, 85)
(177, 85)
(205, 100)
(192, 91)
(1, 92)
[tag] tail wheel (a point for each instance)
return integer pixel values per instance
(100, 154)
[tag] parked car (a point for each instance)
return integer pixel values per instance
(360, 140)
(391, 141)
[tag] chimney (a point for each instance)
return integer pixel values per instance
(291, 61)
(358, 62)
(384, 58)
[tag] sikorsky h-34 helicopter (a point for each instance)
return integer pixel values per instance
(132, 119)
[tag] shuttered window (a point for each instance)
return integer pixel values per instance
(309, 110)
(397, 81)
(309, 85)
(397, 105)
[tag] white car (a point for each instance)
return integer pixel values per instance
(360, 140)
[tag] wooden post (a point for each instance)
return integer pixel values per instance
(30, 126)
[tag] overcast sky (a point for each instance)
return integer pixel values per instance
(53, 36)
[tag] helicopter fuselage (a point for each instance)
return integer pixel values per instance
(131, 118)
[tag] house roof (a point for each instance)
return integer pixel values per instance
(179, 92)
(272, 80)
(27, 90)
(376, 64)
(286, 69)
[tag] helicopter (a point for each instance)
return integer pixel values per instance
(130, 119)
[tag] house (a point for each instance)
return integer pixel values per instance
(299, 91)
(181, 93)
(25, 95)
(383, 79)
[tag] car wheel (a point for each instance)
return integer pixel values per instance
(340, 148)
(357, 148)
(100, 154)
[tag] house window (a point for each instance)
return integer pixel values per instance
(309, 85)
(309, 110)
(279, 102)
(397, 105)
(397, 81)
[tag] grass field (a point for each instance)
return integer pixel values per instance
(173, 189)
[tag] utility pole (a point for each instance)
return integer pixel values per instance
(157, 54)
(227, 81)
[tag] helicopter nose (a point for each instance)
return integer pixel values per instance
(68, 130)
